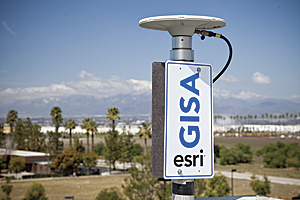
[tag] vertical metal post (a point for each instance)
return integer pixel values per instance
(232, 170)
(182, 189)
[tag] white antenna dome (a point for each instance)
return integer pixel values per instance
(182, 25)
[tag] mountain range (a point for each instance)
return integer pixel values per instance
(92, 96)
(140, 104)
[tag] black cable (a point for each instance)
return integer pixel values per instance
(228, 61)
(212, 34)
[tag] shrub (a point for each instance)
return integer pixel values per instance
(36, 192)
(260, 187)
(99, 148)
(217, 186)
(244, 153)
(280, 155)
(137, 149)
(16, 164)
(110, 194)
(228, 156)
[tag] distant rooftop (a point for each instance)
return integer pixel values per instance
(23, 153)
(243, 197)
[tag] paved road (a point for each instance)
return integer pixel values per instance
(272, 179)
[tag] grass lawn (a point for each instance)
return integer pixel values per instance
(257, 166)
(242, 187)
(87, 188)
(84, 188)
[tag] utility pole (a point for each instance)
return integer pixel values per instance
(178, 153)
(182, 189)
(232, 170)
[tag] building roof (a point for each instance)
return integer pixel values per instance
(243, 197)
(23, 153)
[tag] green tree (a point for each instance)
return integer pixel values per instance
(228, 156)
(7, 189)
(19, 135)
(2, 136)
(68, 161)
(11, 117)
(78, 146)
(110, 194)
(86, 124)
(36, 141)
(56, 117)
(140, 184)
(28, 136)
(245, 154)
(16, 164)
(266, 148)
(36, 192)
(293, 162)
(293, 155)
(260, 187)
(145, 131)
(274, 160)
(57, 120)
(113, 148)
(127, 152)
(164, 190)
(217, 186)
(280, 155)
(70, 124)
(2, 163)
(93, 128)
(200, 187)
(99, 148)
(137, 149)
(28, 129)
(113, 114)
(54, 146)
(89, 160)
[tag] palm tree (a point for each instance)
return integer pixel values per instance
(145, 131)
(11, 119)
(113, 114)
(93, 128)
(56, 119)
(215, 117)
(70, 124)
(86, 125)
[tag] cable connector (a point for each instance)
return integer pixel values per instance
(208, 33)
(212, 34)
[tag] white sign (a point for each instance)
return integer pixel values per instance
(188, 148)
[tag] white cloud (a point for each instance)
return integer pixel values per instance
(88, 84)
(229, 79)
(6, 27)
(225, 94)
(259, 78)
(83, 75)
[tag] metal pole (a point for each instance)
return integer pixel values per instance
(232, 170)
(182, 189)
(231, 183)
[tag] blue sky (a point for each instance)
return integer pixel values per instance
(54, 42)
